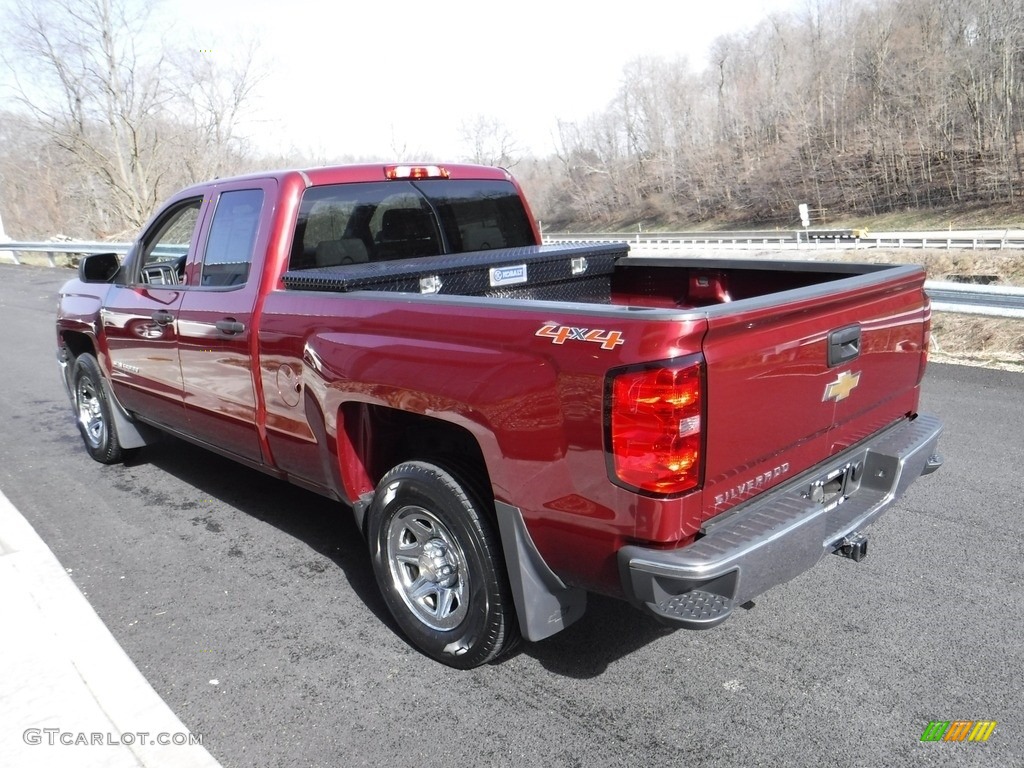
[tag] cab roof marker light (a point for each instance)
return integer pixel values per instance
(393, 172)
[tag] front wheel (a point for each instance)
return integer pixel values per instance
(438, 564)
(93, 409)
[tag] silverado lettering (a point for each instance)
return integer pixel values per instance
(512, 425)
(743, 488)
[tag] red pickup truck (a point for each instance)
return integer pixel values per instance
(513, 424)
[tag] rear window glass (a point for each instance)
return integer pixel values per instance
(479, 215)
(381, 221)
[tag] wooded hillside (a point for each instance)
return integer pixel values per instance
(852, 107)
(855, 107)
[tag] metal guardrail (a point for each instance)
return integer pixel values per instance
(51, 249)
(662, 241)
(993, 300)
(801, 240)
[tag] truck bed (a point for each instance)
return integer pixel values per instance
(602, 274)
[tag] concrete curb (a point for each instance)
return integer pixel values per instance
(69, 694)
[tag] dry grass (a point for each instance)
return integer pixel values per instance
(1006, 266)
(991, 342)
(988, 216)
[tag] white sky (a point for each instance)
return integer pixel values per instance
(396, 79)
(374, 77)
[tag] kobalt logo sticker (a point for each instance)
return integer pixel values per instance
(559, 334)
(508, 275)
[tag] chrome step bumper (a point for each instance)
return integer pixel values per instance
(782, 532)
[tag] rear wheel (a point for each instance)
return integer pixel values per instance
(93, 409)
(439, 566)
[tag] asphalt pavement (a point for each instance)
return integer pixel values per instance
(69, 695)
(249, 607)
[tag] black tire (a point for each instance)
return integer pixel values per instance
(439, 565)
(93, 411)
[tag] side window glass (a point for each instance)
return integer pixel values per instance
(229, 247)
(165, 248)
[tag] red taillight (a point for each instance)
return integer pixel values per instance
(656, 428)
(415, 172)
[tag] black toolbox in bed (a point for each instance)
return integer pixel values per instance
(553, 272)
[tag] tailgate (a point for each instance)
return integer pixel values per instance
(779, 402)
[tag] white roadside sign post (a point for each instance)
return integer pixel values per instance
(805, 220)
(5, 239)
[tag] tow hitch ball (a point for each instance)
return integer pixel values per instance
(854, 546)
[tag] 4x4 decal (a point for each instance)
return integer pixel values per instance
(559, 334)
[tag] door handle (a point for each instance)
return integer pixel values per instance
(843, 345)
(228, 325)
(163, 317)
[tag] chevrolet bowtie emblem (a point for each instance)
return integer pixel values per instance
(841, 388)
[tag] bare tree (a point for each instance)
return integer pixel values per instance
(219, 98)
(130, 118)
(489, 142)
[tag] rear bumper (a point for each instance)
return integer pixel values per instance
(782, 532)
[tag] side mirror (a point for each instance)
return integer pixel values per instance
(98, 267)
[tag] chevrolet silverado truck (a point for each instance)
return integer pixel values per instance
(513, 425)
